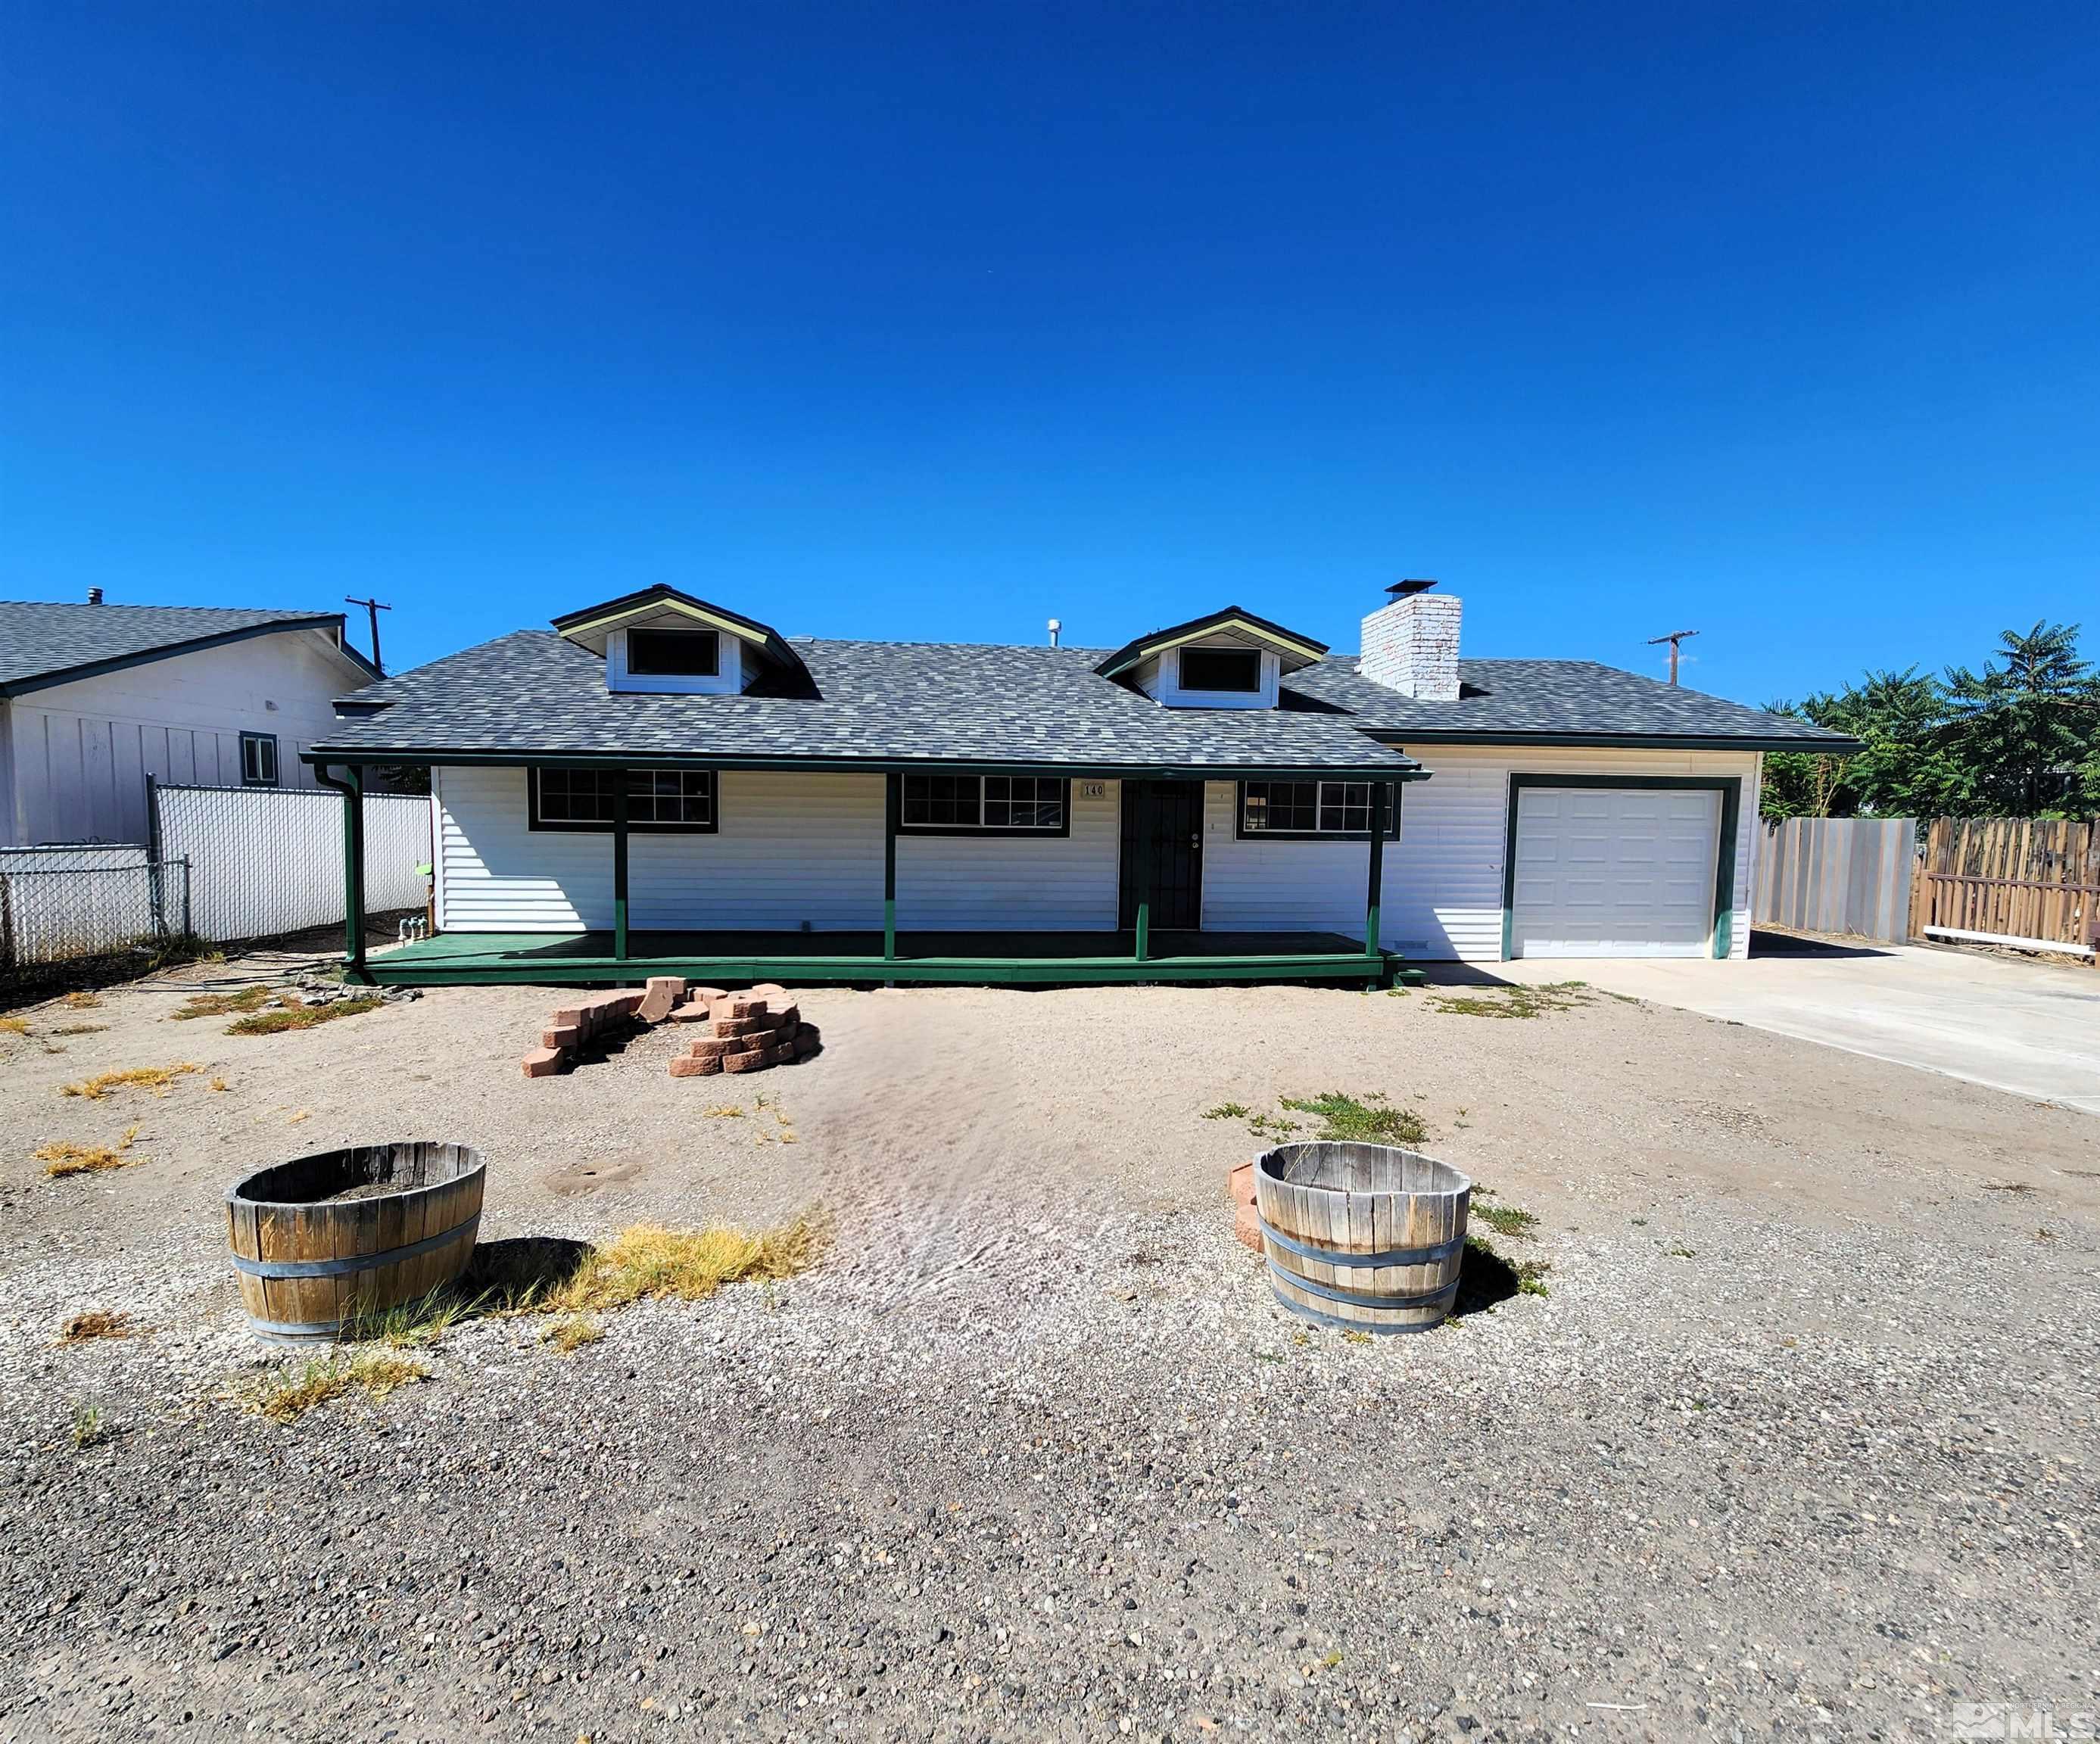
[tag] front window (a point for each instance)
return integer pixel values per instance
(673, 653)
(1027, 804)
(258, 759)
(1310, 808)
(658, 801)
(1237, 670)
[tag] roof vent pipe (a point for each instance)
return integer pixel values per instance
(94, 595)
(1055, 628)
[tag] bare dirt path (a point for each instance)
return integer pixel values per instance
(1800, 1439)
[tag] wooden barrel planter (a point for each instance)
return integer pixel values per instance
(1363, 1236)
(323, 1240)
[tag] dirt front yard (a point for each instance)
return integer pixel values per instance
(1798, 1442)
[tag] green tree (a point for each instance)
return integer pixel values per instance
(2028, 726)
(1902, 768)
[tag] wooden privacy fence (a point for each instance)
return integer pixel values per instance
(2020, 881)
(1837, 874)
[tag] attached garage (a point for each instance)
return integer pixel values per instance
(1620, 866)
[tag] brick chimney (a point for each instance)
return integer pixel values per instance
(1412, 645)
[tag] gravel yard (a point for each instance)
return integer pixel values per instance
(1801, 1442)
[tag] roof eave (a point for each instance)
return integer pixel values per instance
(193, 644)
(1398, 736)
(1400, 767)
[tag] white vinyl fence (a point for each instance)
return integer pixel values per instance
(268, 860)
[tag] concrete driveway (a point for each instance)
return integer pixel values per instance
(2027, 1027)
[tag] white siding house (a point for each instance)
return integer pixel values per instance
(95, 698)
(1203, 801)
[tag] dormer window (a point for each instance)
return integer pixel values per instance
(673, 653)
(1228, 671)
(661, 642)
(1231, 660)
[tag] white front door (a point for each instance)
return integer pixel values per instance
(1614, 872)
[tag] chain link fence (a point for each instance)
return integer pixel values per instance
(68, 910)
(268, 861)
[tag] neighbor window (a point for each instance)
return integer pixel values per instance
(659, 801)
(1305, 808)
(1236, 669)
(978, 802)
(673, 653)
(258, 759)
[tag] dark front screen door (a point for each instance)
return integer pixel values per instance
(1162, 851)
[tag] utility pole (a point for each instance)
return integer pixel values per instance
(1673, 638)
(373, 609)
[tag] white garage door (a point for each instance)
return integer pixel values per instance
(1614, 872)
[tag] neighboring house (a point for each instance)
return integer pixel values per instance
(661, 782)
(93, 698)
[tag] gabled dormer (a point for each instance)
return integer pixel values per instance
(660, 641)
(1230, 659)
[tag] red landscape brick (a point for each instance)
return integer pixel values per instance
(544, 1062)
(695, 1066)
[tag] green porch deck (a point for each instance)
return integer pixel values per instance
(857, 959)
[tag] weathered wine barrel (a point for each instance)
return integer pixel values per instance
(1364, 1236)
(323, 1240)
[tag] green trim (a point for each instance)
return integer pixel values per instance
(619, 800)
(997, 832)
(351, 786)
(1407, 770)
(195, 645)
(1352, 967)
(1399, 738)
(276, 763)
(893, 809)
(1379, 793)
(534, 823)
(1730, 787)
(1241, 831)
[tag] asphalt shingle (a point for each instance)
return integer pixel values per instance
(533, 692)
(41, 639)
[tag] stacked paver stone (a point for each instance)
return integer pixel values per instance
(746, 1032)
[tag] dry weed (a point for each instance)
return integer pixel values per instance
(62, 1159)
(154, 1078)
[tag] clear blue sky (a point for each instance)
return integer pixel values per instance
(1779, 322)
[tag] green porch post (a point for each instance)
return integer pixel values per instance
(1381, 798)
(353, 871)
(893, 806)
(1143, 948)
(620, 865)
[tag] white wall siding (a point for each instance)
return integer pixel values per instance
(1444, 878)
(82, 751)
(794, 851)
(496, 875)
(1442, 898)
(1254, 886)
(1013, 883)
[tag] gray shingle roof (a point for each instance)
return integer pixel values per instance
(1504, 699)
(876, 701)
(41, 640)
(533, 692)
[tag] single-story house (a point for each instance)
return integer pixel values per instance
(661, 783)
(95, 698)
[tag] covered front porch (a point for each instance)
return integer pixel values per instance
(861, 959)
(791, 874)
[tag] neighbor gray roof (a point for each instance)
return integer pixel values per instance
(1551, 700)
(42, 643)
(533, 693)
